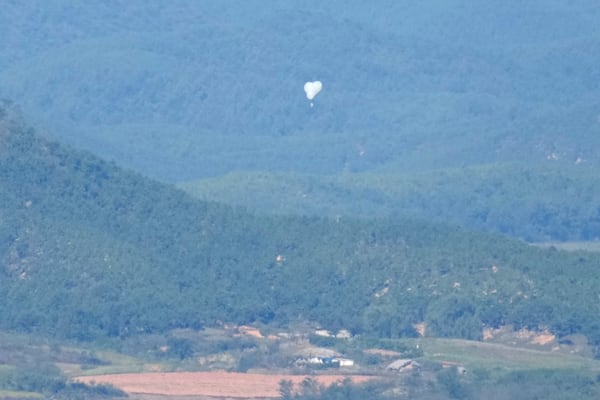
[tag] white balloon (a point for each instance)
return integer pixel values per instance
(312, 89)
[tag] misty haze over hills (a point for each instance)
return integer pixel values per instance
(179, 91)
(171, 200)
(485, 116)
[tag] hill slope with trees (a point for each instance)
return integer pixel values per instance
(90, 250)
(413, 92)
(536, 204)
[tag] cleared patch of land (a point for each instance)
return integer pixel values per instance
(591, 246)
(13, 394)
(211, 384)
(476, 354)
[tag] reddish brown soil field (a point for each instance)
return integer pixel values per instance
(213, 384)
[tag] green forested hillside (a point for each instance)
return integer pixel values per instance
(90, 250)
(184, 90)
(481, 115)
(534, 203)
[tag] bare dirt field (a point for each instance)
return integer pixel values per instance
(210, 384)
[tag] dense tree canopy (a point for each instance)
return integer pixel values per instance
(91, 250)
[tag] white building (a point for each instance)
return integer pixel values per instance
(344, 362)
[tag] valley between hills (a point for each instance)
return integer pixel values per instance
(302, 200)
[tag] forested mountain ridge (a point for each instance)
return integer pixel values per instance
(423, 106)
(90, 250)
(216, 87)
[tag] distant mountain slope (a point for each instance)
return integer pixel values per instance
(213, 87)
(546, 202)
(89, 250)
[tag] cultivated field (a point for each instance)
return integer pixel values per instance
(211, 384)
(150, 373)
(475, 354)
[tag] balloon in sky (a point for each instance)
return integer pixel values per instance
(312, 89)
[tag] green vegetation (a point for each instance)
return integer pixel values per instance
(309, 389)
(449, 384)
(491, 356)
(593, 246)
(13, 394)
(181, 91)
(504, 371)
(437, 122)
(125, 286)
(450, 117)
(533, 203)
(33, 368)
(108, 253)
(44, 380)
(531, 384)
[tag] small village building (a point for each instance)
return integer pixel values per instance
(328, 362)
(323, 332)
(402, 365)
(345, 362)
(343, 334)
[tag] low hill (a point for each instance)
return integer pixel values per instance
(542, 203)
(90, 250)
